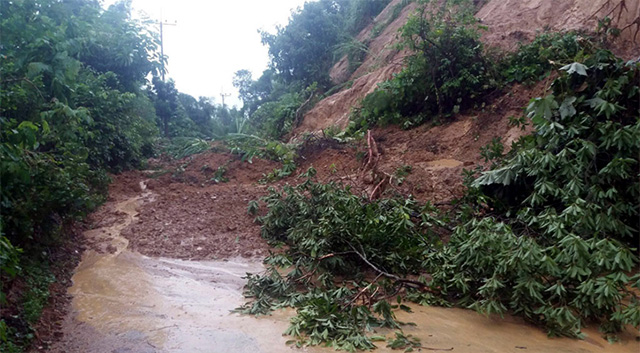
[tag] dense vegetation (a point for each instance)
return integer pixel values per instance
(447, 72)
(451, 71)
(75, 103)
(302, 52)
(565, 209)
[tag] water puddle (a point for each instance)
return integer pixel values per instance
(441, 163)
(469, 332)
(134, 303)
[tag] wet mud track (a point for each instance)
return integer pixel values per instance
(127, 302)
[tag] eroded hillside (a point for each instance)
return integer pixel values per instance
(508, 23)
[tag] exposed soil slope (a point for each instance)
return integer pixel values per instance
(512, 21)
(381, 62)
(509, 22)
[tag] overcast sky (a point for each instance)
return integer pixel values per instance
(215, 38)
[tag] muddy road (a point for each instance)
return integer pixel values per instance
(164, 265)
(124, 301)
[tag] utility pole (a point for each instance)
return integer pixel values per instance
(222, 95)
(165, 23)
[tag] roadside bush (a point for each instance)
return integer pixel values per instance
(71, 109)
(333, 239)
(558, 249)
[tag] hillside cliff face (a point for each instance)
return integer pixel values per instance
(509, 22)
(383, 59)
(513, 21)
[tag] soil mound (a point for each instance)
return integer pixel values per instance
(199, 207)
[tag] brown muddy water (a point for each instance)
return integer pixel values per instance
(127, 302)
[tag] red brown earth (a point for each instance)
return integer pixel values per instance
(508, 22)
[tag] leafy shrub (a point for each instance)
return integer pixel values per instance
(331, 235)
(531, 62)
(303, 50)
(447, 72)
(249, 146)
(71, 109)
(567, 199)
(181, 147)
(450, 71)
(274, 119)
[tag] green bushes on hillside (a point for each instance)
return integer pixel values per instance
(449, 70)
(559, 244)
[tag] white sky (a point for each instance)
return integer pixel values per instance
(215, 38)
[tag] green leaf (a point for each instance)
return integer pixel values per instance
(575, 67)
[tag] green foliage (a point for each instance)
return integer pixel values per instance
(447, 72)
(402, 341)
(401, 173)
(18, 334)
(355, 52)
(9, 261)
(359, 13)
(567, 200)
(66, 115)
(606, 31)
(303, 50)
(253, 207)
(533, 61)
(71, 110)
(219, 174)
(181, 147)
(332, 236)
(277, 118)
(493, 151)
(181, 115)
(38, 279)
(331, 219)
(249, 146)
(9, 268)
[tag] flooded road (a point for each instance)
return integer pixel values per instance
(126, 302)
